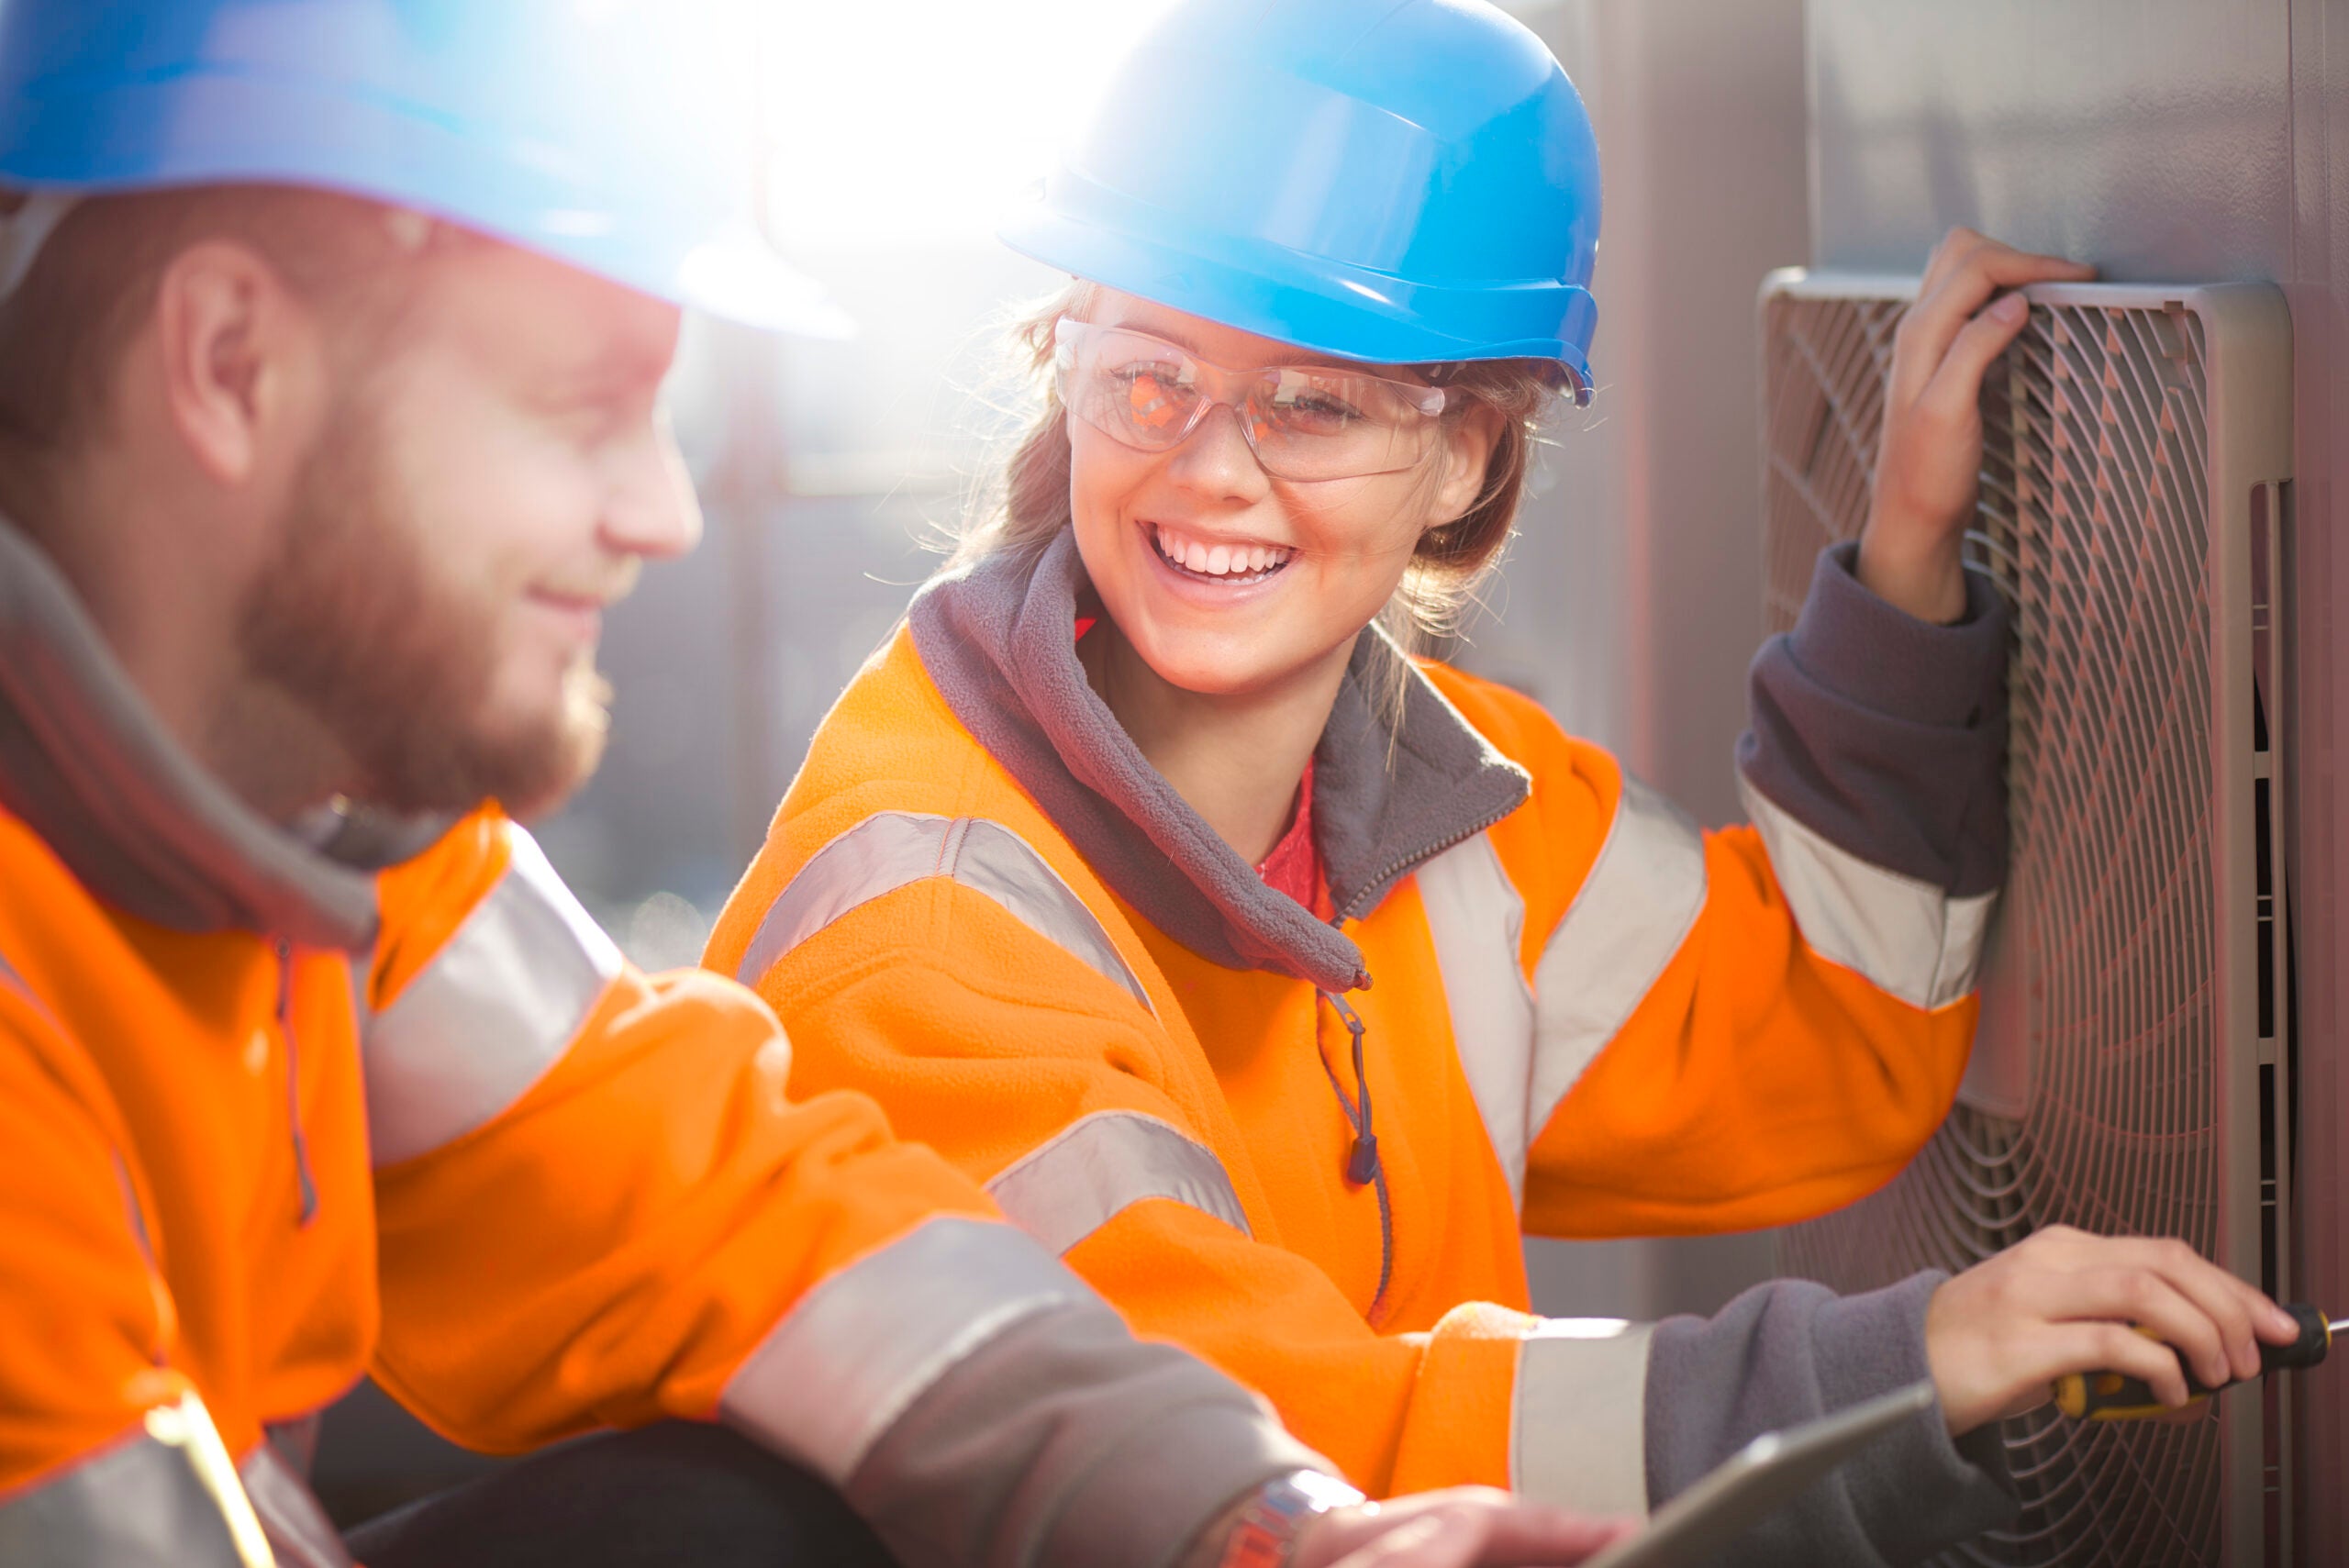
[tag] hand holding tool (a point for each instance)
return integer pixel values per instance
(2112, 1397)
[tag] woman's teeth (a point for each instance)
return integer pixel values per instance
(1235, 562)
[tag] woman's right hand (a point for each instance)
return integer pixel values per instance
(1998, 1335)
(1465, 1526)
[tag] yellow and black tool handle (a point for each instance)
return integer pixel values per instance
(2111, 1396)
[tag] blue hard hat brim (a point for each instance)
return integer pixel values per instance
(1313, 301)
(733, 275)
(727, 270)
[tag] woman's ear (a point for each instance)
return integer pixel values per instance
(1468, 444)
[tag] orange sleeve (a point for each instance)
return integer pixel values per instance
(85, 1322)
(609, 1246)
(1755, 1084)
(1745, 1080)
(987, 1041)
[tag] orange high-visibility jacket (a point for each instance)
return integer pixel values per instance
(1580, 1015)
(274, 1120)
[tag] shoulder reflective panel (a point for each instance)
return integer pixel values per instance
(891, 849)
(495, 1008)
(1099, 1166)
(136, 1504)
(1639, 904)
(1476, 921)
(1904, 937)
(299, 1532)
(1578, 1432)
(859, 1349)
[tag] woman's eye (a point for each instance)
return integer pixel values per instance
(1318, 407)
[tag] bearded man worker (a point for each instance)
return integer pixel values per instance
(328, 356)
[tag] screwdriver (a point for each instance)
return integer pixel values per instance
(2111, 1396)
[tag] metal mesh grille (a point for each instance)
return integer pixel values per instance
(2100, 995)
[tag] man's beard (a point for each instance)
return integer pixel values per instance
(398, 663)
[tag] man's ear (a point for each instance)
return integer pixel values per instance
(242, 359)
(1468, 443)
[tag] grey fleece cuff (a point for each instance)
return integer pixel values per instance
(1916, 1489)
(1790, 1352)
(1861, 646)
(1886, 735)
(1155, 1490)
(1063, 1442)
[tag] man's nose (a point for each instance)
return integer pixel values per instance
(653, 511)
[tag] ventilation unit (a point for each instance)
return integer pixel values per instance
(2132, 1071)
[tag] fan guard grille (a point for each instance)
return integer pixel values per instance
(2101, 998)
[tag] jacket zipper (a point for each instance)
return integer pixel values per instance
(1393, 874)
(309, 1190)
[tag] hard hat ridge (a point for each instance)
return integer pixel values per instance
(1406, 181)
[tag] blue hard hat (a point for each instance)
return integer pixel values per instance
(1400, 181)
(602, 133)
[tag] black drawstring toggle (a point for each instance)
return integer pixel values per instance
(1362, 1160)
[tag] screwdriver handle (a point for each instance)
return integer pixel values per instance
(2112, 1397)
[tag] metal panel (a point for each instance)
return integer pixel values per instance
(2152, 137)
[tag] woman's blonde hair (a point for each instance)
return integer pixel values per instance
(1031, 504)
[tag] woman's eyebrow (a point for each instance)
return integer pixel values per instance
(1165, 334)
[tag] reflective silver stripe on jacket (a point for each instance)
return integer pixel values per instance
(135, 1504)
(1099, 1166)
(495, 1008)
(859, 1349)
(891, 849)
(1578, 1429)
(1476, 921)
(300, 1534)
(1904, 937)
(1635, 909)
(1522, 1048)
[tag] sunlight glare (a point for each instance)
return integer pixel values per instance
(917, 119)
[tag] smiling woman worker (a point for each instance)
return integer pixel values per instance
(1089, 877)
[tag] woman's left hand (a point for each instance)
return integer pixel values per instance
(1928, 468)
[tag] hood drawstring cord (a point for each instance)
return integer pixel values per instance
(1363, 1164)
(310, 1188)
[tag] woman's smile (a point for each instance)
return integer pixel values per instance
(1230, 562)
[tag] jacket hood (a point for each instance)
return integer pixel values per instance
(90, 769)
(996, 638)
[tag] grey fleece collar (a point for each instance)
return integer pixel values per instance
(87, 765)
(996, 638)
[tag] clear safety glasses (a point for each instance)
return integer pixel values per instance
(1303, 422)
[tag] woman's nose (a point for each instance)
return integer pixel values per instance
(1217, 457)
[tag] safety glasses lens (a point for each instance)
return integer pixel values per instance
(1303, 422)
